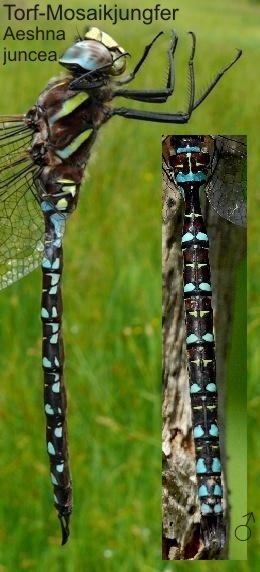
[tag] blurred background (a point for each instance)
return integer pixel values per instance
(112, 310)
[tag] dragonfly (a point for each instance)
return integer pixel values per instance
(195, 165)
(43, 156)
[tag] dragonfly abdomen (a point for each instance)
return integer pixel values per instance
(190, 167)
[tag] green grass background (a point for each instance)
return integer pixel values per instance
(112, 303)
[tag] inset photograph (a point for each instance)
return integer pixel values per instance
(204, 343)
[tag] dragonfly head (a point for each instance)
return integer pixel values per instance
(96, 51)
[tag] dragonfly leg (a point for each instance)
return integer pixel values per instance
(156, 97)
(160, 96)
(153, 96)
(216, 79)
(140, 62)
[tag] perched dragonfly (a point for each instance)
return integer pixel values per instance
(216, 165)
(42, 163)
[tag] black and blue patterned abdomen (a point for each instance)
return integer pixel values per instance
(190, 167)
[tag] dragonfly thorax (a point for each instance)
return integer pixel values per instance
(190, 163)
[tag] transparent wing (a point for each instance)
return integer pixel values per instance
(21, 221)
(226, 188)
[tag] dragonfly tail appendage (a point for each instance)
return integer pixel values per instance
(65, 531)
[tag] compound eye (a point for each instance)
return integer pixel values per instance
(88, 55)
(119, 65)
